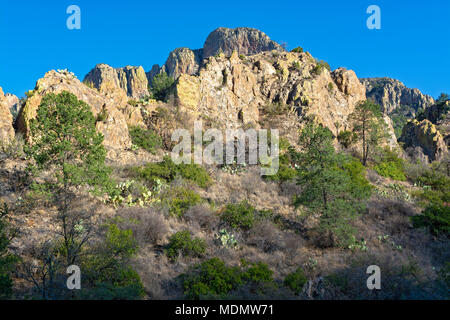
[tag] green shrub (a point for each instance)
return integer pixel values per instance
(436, 218)
(179, 200)
(107, 270)
(347, 138)
(182, 243)
(296, 280)
(160, 86)
(391, 169)
(320, 66)
(212, 279)
(239, 216)
(297, 50)
(145, 138)
(285, 171)
(167, 170)
(391, 166)
(133, 102)
(257, 273)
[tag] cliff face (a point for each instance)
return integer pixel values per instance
(113, 127)
(232, 91)
(131, 80)
(391, 94)
(6, 119)
(245, 41)
(424, 137)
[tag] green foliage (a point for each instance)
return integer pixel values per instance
(7, 260)
(160, 86)
(182, 243)
(434, 186)
(133, 102)
(391, 169)
(145, 138)
(369, 125)
(227, 239)
(436, 218)
(297, 50)
(256, 272)
(239, 216)
(285, 171)
(212, 279)
(347, 138)
(332, 184)
(65, 138)
(107, 272)
(276, 109)
(179, 200)
(320, 66)
(167, 170)
(442, 98)
(400, 116)
(296, 280)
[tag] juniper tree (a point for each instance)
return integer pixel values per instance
(333, 186)
(64, 141)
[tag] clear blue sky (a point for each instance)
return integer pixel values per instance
(413, 44)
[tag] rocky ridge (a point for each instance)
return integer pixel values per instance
(245, 41)
(391, 94)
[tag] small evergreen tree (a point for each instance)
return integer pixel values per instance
(330, 186)
(369, 125)
(65, 141)
(160, 86)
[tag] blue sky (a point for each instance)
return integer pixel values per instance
(413, 44)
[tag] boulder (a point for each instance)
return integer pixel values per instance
(426, 136)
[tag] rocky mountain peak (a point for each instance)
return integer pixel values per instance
(390, 94)
(246, 41)
(131, 80)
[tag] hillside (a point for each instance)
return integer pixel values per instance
(87, 179)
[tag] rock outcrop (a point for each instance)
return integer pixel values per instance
(391, 94)
(232, 91)
(131, 80)
(113, 126)
(426, 136)
(6, 120)
(246, 41)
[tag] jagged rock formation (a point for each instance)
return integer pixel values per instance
(231, 91)
(423, 137)
(131, 80)
(113, 127)
(246, 41)
(391, 94)
(6, 119)
(12, 102)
